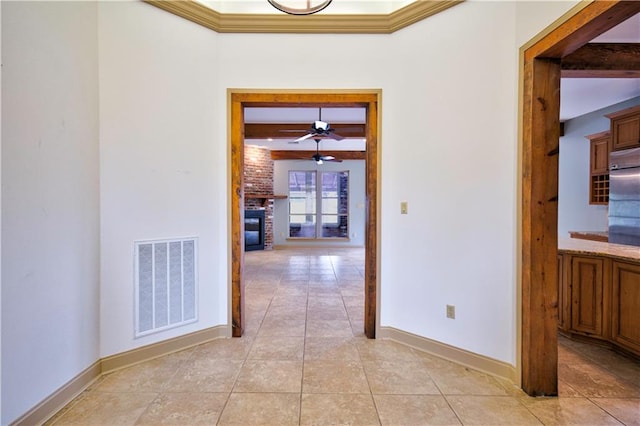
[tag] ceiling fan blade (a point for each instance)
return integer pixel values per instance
(335, 136)
(330, 158)
(305, 137)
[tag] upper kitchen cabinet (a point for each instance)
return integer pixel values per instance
(599, 175)
(599, 152)
(625, 128)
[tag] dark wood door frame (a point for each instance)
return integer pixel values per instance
(370, 100)
(540, 79)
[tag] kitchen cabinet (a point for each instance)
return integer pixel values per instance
(599, 294)
(600, 152)
(563, 294)
(588, 296)
(625, 128)
(625, 329)
(599, 167)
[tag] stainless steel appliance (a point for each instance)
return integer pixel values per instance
(624, 197)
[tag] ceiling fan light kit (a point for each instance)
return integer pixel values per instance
(318, 131)
(293, 7)
(319, 159)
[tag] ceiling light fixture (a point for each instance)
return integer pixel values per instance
(300, 7)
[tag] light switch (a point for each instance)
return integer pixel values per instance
(404, 207)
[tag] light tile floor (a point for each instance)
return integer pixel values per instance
(304, 360)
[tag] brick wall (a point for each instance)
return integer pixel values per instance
(258, 179)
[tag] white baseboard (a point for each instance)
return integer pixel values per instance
(53, 403)
(165, 347)
(66, 393)
(469, 359)
(61, 397)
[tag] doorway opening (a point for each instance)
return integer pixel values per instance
(540, 75)
(367, 99)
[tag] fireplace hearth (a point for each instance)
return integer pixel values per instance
(253, 230)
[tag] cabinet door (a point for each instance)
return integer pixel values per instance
(625, 309)
(563, 293)
(625, 131)
(587, 295)
(600, 155)
(600, 144)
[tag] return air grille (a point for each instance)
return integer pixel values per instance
(165, 281)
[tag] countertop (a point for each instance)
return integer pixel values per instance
(589, 247)
(590, 235)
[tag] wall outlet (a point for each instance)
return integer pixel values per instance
(451, 311)
(404, 207)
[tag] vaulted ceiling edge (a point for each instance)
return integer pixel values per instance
(313, 24)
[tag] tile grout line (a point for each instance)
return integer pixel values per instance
(364, 370)
(244, 360)
(304, 344)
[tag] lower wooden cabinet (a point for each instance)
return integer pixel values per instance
(599, 300)
(625, 306)
(563, 294)
(588, 296)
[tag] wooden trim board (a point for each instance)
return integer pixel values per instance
(240, 98)
(540, 68)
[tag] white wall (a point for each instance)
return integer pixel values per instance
(162, 165)
(0, 216)
(50, 205)
(357, 199)
(533, 16)
(574, 211)
(449, 151)
(448, 147)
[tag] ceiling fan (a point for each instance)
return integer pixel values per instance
(319, 129)
(319, 159)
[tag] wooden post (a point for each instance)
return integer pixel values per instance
(540, 221)
(540, 133)
(238, 99)
(237, 218)
(371, 231)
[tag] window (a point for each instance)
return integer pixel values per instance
(318, 204)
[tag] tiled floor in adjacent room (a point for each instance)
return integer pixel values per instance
(304, 360)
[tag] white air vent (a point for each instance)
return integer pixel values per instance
(165, 281)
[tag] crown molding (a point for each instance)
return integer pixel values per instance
(310, 24)
(417, 11)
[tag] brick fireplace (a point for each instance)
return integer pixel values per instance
(258, 180)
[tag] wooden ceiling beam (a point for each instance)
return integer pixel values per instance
(306, 155)
(592, 22)
(294, 131)
(603, 60)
